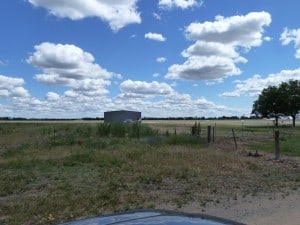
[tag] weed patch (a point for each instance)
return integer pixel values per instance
(53, 172)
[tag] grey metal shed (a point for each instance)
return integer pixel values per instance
(122, 116)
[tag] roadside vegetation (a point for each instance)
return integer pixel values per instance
(289, 142)
(55, 172)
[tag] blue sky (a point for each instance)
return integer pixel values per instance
(73, 59)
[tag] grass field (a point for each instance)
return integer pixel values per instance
(54, 172)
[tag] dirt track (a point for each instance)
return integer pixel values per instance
(267, 209)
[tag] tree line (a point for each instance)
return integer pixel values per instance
(277, 101)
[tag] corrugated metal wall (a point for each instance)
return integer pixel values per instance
(121, 116)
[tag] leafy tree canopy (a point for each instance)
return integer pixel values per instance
(277, 101)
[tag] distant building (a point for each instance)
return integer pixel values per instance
(122, 116)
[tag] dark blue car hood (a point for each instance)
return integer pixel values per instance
(153, 217)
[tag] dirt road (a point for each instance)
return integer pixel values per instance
(267, 209)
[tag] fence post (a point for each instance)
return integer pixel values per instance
(215, 131)
(54, 135)
(277, 148)
(213, 134)
(208, 133)
(234, 138)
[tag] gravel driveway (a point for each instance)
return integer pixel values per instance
(266, 209)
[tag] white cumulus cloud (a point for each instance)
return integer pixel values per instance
(161, 59)
(52, 96)
(155, 37)
(202, 48)
(243, 30)
(12, 87)
(291, 36)
(117, 13)
(145, 88)
(254, 85)
(66, 62)
(203, 68)
(172, 104)
(215, 53)
(184, 4)
(70, 66)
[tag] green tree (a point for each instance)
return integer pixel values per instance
(268, 104)
(291, 95)
(277, 101)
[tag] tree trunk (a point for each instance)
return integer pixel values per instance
(276, 121)
(294, 120)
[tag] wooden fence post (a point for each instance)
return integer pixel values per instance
(215, 131)
(213, 134)
(234, 138)
(277, 148)
(208, 133)
(54, 135)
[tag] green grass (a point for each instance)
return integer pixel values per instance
(289, 142)
(288, 146)
(53, 172)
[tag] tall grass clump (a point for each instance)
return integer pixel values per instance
(121, 130)
(145, 131)
(118, 130)
(196, 129)
(84, 131)
(103, 130)
(183, 139)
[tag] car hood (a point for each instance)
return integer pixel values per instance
(153, 217)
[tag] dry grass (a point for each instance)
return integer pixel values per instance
(45, 181)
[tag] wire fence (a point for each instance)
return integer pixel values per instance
(248, 134)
